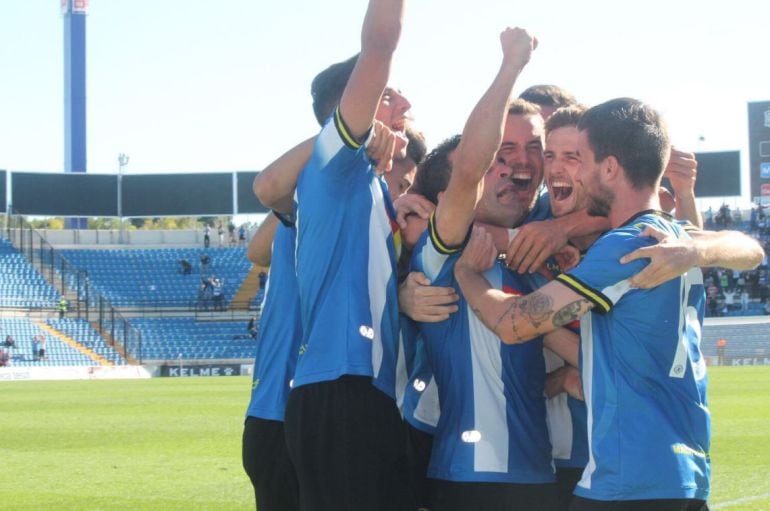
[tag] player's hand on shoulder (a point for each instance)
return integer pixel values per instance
(518, 45)
(669, 258)
(534, 243)
(425, 303)
(479, 254)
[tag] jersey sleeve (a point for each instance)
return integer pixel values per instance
(435, 258)
(337, 152)
(600, 277)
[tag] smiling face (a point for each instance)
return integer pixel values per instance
(393, 109)
(598, 196)
(511, 183)
(561, 164)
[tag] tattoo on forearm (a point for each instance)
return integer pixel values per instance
(508, 312)
(537, 307)
(569, 312)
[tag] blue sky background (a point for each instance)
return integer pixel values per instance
(206, 86)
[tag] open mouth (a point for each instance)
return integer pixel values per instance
(560, 190)
(521, 180)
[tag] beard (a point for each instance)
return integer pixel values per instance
(600, 201)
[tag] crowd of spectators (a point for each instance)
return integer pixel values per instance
(736, 293)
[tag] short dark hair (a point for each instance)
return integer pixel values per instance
(434, 172)
(548, 95)
(416, 149)
(522, 107)
(328, 85)
(565, 116)
(632, 132)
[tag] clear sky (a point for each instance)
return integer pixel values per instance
(193, 85)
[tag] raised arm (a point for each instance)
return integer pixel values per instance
(682, 171)
(260, 249)
(515, 319)
(480, 140)
(672, 257)
(379, 39)
(274, 186)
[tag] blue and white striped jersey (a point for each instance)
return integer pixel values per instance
(643, 374)
(492, 426)
(346, 265)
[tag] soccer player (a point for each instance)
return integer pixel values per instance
(491, 448)
(548, 97)
(264, 453)
(644, 377)
(343, 430)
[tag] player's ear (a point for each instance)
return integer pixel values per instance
(611, 168)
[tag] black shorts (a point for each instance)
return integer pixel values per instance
(420, 445)
(581, 504)
(456, 496)
(348, 444)
(566, 480)
(267, 464)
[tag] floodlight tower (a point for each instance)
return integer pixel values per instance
(74, 14)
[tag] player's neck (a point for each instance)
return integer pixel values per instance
(629, 202)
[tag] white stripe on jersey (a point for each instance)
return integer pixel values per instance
(402, 376)
(489, 403)
(428, 410)
(329, 143)
(587, 349)
(616, 291)
(688, 317)
(558, 414)
(380, 269)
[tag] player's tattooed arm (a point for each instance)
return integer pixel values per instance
(517, 319)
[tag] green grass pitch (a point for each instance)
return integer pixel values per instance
(174, 444)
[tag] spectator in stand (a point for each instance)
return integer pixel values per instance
(767, 307)
(217, 293)
(221, 233)
(744, 300)
(205, 260)
(242, 236)
(262, 280)
(231, 234)
(206, 236)
(10, 342)
(185, 268)
(41, 350)
(5, 358)
(729, 299)
(252, 327)
(36, 348)
(62, 308)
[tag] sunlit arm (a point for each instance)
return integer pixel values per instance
(565, 343)
(274, 186)
(517, 319)
(260, 249)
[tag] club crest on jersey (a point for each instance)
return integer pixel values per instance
(366, 332)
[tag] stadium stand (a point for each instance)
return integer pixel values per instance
(57, 352)
(81, 331)
(20, 284)
(186, 338)
(137, 277)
